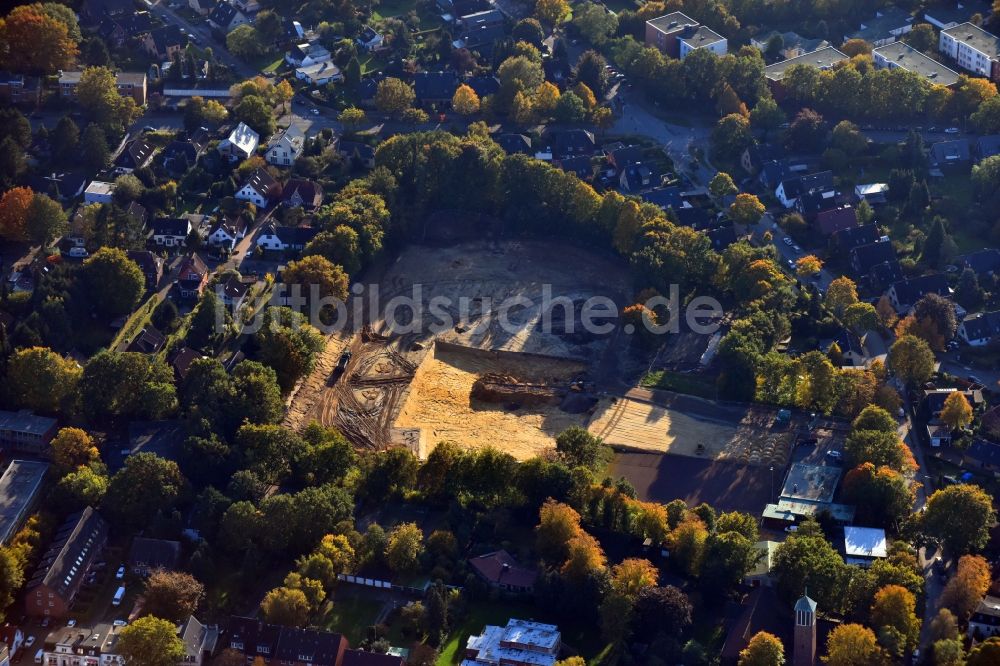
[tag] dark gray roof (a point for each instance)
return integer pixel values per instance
(170, 226)
(866, 257)
(908, 292)
(852, 237)
(984, 451)
(76, 544)
(435, 85)
(982, 262)
(154, 553)
(957, 151)
(513, 143)
(797, 185)
(572, 142)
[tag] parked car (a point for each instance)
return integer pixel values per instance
(836, 456)
(951, 130)
(120, 623)
(31, 641)
(71, 623)
(120, 573)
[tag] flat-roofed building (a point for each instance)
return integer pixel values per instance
(24, 431)
(973, 49)
(19, 491)
(904, 56)
(824, 58)
(864, 545)
(662, 32)
(520, 643)
(702, 37)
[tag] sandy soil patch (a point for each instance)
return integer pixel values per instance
(439, 404)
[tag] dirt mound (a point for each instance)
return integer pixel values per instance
(506, 389)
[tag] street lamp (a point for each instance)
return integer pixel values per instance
(772, 482)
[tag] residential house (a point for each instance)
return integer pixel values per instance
(260, 189)
(300, 193)
(831, 221)
(701, 37)
(979, 329)
(232, 291)
(987, 146)
(192, 276)
(903, 56)
(938, 434)
(19, 89)
(162, 438)
(135, 154)
(285, 147)
(147, 555)
(580, 166)
(889, 24)
(722, 237)
(864, 545)
(514, 143)
(62, 186)
(20, 490)
(370, 40)
(949, 14)
(287, 645)
(810, 204)
(171, 232)
(483, 85)
(755, 156)
(859, 351)
(99, 192)
(240, 144)
(354, 657)
(638, 177)
(284, 239)
(984, 263)
(248, 7)
(129, 84)
(319, 74)
(933, 401)
(181, 361)
(147, 341)
(663, 32)
(501, 571)
(116, 31)
(874, 193)
(664, 197)
(163, 42)
(227, 232)
(982, 456)
(875, 262)
(773, 172)
(792, 187)
(570, 143)
(358, 153)
(435, 88)
(480, 30)
(62, 569)
(904, 294)
(150, 264)
(954, 155)
(92, 12)
(822, 59)
(792, 44)
(520, 642)
(180, 156)
(973, 49)
(845, 240)
(456, 8)
(761, 575)
(226, 17)
(985, 620)
(202, 7)
(307, 53)
(200, 641)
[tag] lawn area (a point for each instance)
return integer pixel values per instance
(618, 5)
(372, 63)
(498, 613)
(681, 383)
(390, 8)
(350, 613)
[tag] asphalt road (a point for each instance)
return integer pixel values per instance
(203, 37)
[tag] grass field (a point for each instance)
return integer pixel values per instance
(681, 383)
(350, 613)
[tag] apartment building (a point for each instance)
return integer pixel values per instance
(973, 49)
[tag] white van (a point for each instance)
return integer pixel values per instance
(38, 656)
(119, 595)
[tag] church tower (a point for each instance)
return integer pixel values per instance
(805, 631)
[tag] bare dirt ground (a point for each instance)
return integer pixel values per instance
(682, 425)
(439, 404)
(467, 284)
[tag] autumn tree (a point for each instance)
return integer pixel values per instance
(764, 649)
(960, 516)
(579, 448)
(465, 101)
(687, 543)
(72, 448)
(552, 12)
(841, 293)
(288, 344)
(14, 206)
(115, 282)
(722, 185)
(584, 558)
(46, 219)
(393, 96)
(352, 117)
(317, 273)
(986, 653)
(808, 559)
(808, 266)
(98, 95)
(173, 595)
(633, 575)
(894, 614)
(40, 379)
(150, 641)
(285, 606)
(853, 645)
(546, 99)
(746, 210)
(911, 359)
(34, 42)
(956, 411)
(558, 523)
(405, 546)
(967, 587)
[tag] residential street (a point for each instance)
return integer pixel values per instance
(204, 36)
